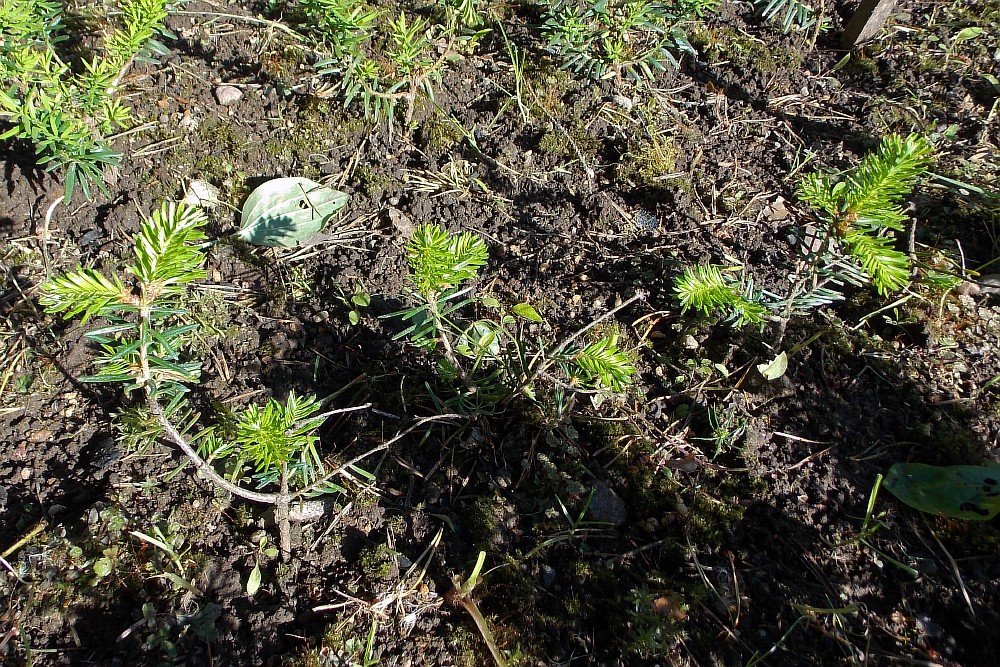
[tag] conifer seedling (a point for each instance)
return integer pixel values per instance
(143, 330)
(67, 112)
(492, 360)
(856, 216)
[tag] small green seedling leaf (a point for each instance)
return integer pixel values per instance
(479, 340)
(361, 299)
(527, 312)
(967, 34)
(285, 212)
(490, 302)
(775, 368)
(103, 567)
(473, 579)
(354, 317)
(253, 581)
(958, 492)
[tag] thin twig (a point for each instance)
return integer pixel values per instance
(46, 234)
(203, 467)
(954, 567)
(38, 527)
(249, 19)
(385, 445)
(281, 516)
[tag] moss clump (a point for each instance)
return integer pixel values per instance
(710, 520)
(483, 519)
(378, 564)
(465, 645)
(554, 143)
(860, 67)
(221, 136)
(282, 64)
(440, 135)
(743, 51)
(371, 181)
(648, 161)
(548, 85)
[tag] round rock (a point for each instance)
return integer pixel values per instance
(228, 95)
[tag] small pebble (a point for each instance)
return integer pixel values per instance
(622, 101)
(188, 120)
(41, 435)
(606, 506)
(228, 95)
(401, 222)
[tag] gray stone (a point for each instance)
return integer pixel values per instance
(606, 506)
(228, 95)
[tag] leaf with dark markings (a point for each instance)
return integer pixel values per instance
(958, 492)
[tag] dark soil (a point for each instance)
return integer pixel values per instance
(725, 524)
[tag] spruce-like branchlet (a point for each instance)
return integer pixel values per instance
(143, 338)
(855, 217)
(67, 115)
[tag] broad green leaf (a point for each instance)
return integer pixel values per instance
(253, 581)
(288, 211)
(361, 299)
(775, 368)
(958, 492)
(527, 312)
(354, 317)
(490, 302)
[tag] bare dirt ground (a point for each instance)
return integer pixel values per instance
(727, 524)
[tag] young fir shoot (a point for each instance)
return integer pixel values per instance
(864, 207)
(490, 358)
(142, 340)
(66, 115)
(708, 288)
(609, 38)
(852, 244)
(377, 62)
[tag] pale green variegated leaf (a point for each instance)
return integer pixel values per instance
(254, 581)
(775, 368)
(958, 492)
(285, 212)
